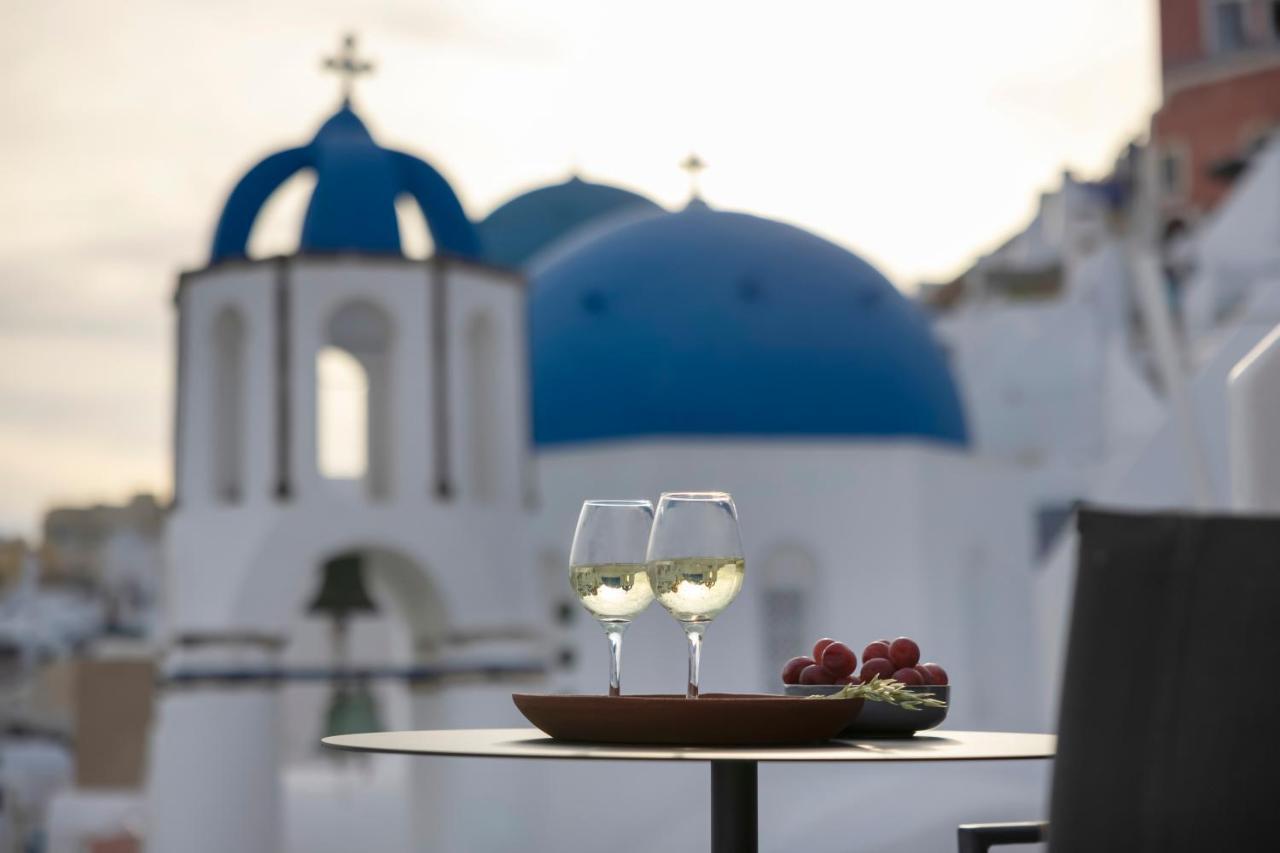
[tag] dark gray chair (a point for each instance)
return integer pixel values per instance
(1167, 735)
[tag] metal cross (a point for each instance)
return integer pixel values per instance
(693, 165)
(347, 65)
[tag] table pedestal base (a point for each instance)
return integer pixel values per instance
(733, 807)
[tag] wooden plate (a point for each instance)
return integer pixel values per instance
(713, 719)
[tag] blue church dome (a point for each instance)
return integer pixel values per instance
(352, 208)
(524, 226)
(712, 323)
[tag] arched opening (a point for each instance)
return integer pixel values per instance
(787, 584)
(415, 233)
(482, 407)
(279, 223)
(228, 406)
(418, 657)
(370, 615)
(342, 433)
(368, 621)
(353, 399)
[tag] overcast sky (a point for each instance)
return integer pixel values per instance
(915, 132)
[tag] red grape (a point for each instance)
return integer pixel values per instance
(878, 649)
(877, 666)
(821, 646)
(934, 673)
(791, 669)
(839, 660)
(904, 652)
(908, 675)
(849, 679)
(814, 674)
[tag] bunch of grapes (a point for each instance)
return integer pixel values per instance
(835, 663)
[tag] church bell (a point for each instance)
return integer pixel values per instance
(342, 591)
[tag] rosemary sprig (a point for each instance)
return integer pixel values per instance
(887, 690)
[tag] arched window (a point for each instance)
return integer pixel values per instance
(228, 409)
(353, 399)
(788, 580)
(482, 407)
(343, 402)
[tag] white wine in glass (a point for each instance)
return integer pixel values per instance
(607, 570)
(696, 589)
(696, 565)
(612, 590)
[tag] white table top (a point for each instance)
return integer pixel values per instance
(936, 745)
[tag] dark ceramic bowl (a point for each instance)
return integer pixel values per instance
(881, 718)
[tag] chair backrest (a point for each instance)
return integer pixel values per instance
(1171, 694)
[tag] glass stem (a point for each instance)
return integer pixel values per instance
(694, 631)
(614, 631)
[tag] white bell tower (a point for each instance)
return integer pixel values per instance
(432, 461)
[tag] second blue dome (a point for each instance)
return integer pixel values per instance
(536, 221)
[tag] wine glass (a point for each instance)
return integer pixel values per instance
(695, 562)
(607, 569)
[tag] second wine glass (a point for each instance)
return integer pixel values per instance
(696, 565)
(607, 570)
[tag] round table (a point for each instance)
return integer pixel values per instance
(733, 769)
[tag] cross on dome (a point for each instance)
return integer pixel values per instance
(347, 65)
(693, 165)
